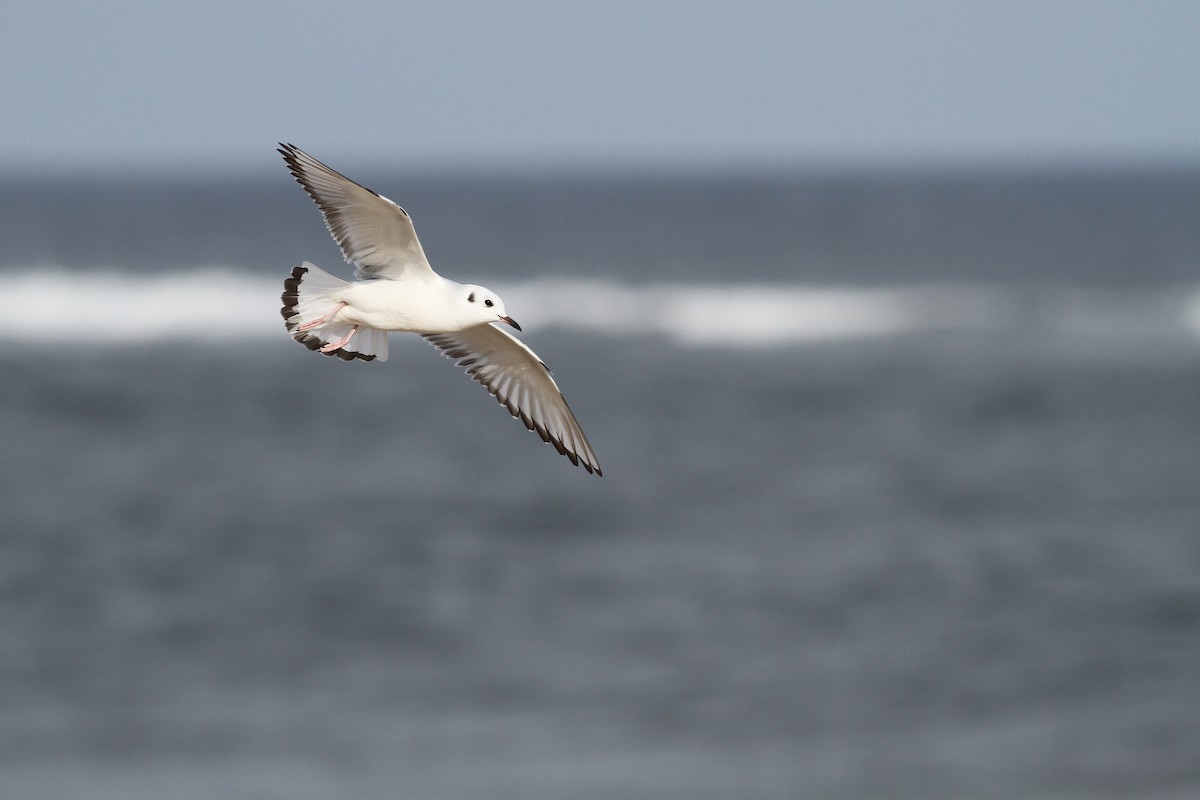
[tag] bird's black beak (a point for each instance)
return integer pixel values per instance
(511, 321)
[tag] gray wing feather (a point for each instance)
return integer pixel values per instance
(375, 234)
(518, 379)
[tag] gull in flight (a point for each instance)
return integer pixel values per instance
(397, 290)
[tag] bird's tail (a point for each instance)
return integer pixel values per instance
(311, 316)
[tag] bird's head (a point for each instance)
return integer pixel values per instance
(485, 306)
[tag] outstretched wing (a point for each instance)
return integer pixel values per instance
(375, 234)
(516, 377)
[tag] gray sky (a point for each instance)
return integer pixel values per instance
(215, 84)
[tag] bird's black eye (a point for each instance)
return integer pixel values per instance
(471, 297)
(488, 303)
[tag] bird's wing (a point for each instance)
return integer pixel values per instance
(375, 234)
(516, 377)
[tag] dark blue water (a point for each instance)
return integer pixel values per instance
(940, 564)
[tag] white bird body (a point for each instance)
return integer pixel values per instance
(408, 307)
(399, 291)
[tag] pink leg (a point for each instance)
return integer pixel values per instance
(340, 343)
(310, 325)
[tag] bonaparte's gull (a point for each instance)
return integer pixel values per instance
(397, 290)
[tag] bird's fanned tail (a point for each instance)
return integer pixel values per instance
(306, 300)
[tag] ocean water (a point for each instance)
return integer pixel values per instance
(901, 496)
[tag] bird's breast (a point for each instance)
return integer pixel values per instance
(395, 306)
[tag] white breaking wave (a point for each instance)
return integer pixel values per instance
(216, 304)
(755, 314)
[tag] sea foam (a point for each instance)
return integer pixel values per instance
(219, 304)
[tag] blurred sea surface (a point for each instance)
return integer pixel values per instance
(901, 495)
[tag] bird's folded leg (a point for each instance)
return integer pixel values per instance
(321, 321)
(340, 343)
